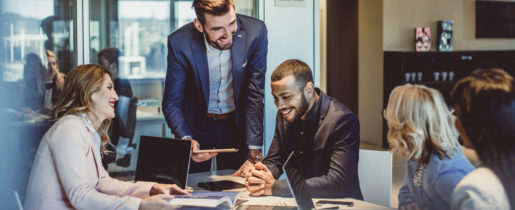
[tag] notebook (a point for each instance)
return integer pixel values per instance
(297, 183)
(218, 200)
(163, 160)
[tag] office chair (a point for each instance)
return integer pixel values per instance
(376, 189)
(126, 111)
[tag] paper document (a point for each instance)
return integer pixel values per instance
(206, 199)
(270, 201)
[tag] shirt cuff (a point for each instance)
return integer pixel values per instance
(186, 137)
(254, 147)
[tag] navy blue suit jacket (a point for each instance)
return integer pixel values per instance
(186, 94)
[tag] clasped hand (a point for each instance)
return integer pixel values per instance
(259, 180)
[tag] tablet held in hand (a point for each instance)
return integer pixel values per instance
(216, 150)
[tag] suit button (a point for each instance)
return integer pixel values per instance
(301, 152)
(301, 133)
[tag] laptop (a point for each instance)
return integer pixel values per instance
(163, 160)
(297, 183)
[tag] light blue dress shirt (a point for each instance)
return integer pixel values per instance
(221, 93)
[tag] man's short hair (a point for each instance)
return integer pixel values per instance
(111, 54)
(300, 71)
(213, 7)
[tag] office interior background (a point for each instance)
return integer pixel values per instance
(344, 42)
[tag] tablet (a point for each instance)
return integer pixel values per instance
(216, 150)
(221, 185)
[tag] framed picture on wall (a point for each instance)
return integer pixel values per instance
(495, 19)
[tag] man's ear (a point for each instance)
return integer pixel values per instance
(309, 88)
(198, 25)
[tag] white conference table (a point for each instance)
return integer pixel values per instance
(266, 202)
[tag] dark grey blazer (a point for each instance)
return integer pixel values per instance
(331, 165)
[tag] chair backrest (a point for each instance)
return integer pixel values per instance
(126, 111)
(375, 176)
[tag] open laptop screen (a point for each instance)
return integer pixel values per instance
(163, 160)
(297, 183)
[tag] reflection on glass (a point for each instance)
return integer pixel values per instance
(34, 29)
(36, 44)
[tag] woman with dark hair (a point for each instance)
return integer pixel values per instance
(67, 171)
(485, 111)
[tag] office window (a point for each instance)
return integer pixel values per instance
(29, 28)
(139, 29)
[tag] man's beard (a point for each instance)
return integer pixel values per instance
(302, 109)
(218, 46)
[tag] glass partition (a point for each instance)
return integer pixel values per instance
(31, 30)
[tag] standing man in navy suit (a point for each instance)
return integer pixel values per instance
(214, 84)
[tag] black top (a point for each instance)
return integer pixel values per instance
(305, 130)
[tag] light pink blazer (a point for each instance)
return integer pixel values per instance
(68, 173)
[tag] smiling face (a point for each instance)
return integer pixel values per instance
(103, 100)
(219, 30)
(289, 98)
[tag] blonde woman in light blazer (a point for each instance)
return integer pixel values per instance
(67, 171)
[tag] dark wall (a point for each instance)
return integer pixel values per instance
(342, 51)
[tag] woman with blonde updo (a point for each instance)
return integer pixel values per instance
(421, 129)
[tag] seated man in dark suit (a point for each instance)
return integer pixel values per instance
(108, 58)
(322, 131)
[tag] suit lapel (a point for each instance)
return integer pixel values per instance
(323, 129)
(238, 61)
(96, 159)
(198, 48)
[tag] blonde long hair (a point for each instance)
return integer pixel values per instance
(40, 80)
(420, 123)
(75, 98)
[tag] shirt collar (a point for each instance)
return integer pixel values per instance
(88, 122)
(314, 114)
